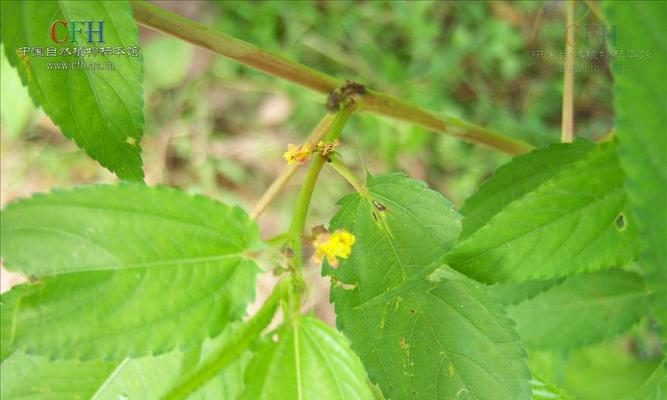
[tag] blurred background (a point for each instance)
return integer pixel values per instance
(218, 128)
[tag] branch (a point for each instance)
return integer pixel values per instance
(245, 53)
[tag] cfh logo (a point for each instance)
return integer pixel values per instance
(62, 30)
(593, 33)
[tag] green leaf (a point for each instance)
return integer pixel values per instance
(571, 223)
(16, 105)
(28, 376)
(511, 293)
(123, 270)
(542, 390)
(421, 334)
(609, 370)
(518, 178)
(655, 386)
(641, 123)
(101, 109)
(581, 310)
(308, 360)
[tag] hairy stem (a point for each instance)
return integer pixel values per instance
(315, 136)
(245, 53)
(567, 121)
(234, 346)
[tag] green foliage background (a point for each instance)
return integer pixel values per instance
(212, 126)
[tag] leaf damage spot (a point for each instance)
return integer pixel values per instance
(620, 222)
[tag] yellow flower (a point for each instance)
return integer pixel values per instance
(298, 154)
(339, 244)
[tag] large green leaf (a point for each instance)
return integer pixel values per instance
(581, 310)
(517, 178)
(149, 377)
(421, 334)
(511, 293)
(123, 270)
(101, 109)
(571, 223)
(307, 360)
(640, 103)
(610, 371)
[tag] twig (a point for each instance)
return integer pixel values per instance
(567, 122)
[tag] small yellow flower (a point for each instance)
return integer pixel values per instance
(338, 244)
(298, 154)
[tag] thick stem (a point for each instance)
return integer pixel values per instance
(235, 345)
(245, 53)
(164, 21)
(394, 108)
(567, 121)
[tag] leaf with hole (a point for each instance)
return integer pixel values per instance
(570, 223)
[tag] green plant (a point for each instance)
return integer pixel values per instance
(140, 292)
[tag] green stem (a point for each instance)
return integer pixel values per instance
(245, 53)
(299, 218)
(302, 204)
(345, 172)
(233, 347)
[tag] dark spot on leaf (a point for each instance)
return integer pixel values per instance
(620, 222)
(413, 311)
(379, 206)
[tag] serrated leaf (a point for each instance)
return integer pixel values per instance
(517, 178)
(641, 126)
(421, 335)
(123, 270)
(100, 108)
(570, 223)
(581, 310)
(511, 293)
(28, 376)
(609, 370)
(309, 360)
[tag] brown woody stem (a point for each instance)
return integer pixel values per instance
(248, 54)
